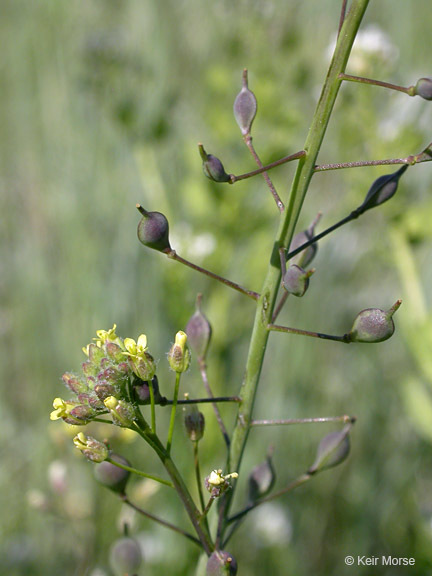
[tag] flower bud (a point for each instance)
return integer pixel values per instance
(373, 325)
(199, 331)
(332, 450)
(423, 88)
(217, 483)
(306, 256)
(245, 106)
(76, 384)
(296, 280)
(221, 563)
(91, 448)
(125, 556)
(179, 355)
(153, 230)
(212, 166)
(122, 412)
(381, 190)
(112, 476)
(261, 480)
(194, 423)
(141, 391)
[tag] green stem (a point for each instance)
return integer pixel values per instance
(204, 377)
(361, 80)
(304, 173)
(276, 328)
(288, 421)
(173, 412)
(284, 160)
(152, 407)
(139, 473)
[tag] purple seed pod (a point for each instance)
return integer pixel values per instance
(373, 325)
(245, 106)
(423, 88)
(296, 280)
(221, 563)
(194, 423)
(381, 190)
(199, 331)
(141, 391)
(213, 167)
(261, 479)
(306, 256)
(112, 476)
(125, 556)
(153, 230)
(332, 450)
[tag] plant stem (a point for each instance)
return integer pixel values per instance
(276, 328)
(174, 256)
(288, 421)
(173, 413)
(303, 176)
(166, 402)
(248, 141)
(361, 80)
(204, 377)
(284, 160)
(139, 473)
(198, 475)
(152, 407)
(159, 520)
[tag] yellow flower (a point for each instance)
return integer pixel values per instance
(136, 349)
(60, 409)
(106, 336)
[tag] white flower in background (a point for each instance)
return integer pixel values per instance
(194, 246)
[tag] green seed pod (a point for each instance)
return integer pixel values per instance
(212, 166)
(306, 256)
(373, 325)
(381, 190)
(194, 423)
(199, 331)
(296, 280)
(153, 230)
(125, 556)
(261, 480)
(221, 563)
(332, 450)
(423, 88)
(245, 106)
(112, 476)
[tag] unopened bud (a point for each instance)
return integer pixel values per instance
(91, 448)
(125, 556)
(179, 354)
(194, 423)
(122, 412)
(221, 563)
(153, 230)
(261, 479)
(423, 88)
(296, 280)
(332, 450)
(199, 331)
(381, 190)
(373, 325)
(112, 476)
(245, 106)
(212, 166)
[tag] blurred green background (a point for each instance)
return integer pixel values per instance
(102, 104)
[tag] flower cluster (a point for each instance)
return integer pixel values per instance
(112, 363)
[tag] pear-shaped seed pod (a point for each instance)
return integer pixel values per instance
(221, 563)
(373, 325)
(423, 88)
(112, 476)
(296, 280)
(332, 450)
(261, 479)
(245, 106)
(194, 423)
(153, 230)
(125, 556)
(382, 190)
(213, 167)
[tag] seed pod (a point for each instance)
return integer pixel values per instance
(141, 391)
(261, 479)
(245, 106)
(112, 476)
(381, 190)
(153, 230)
(199, 331)
(221, 563)
(212, 166)
(332, 450)
(306, 256)
(125, 556)
(296, 280)
(423, 88)
(194, 423)
(373, 325)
